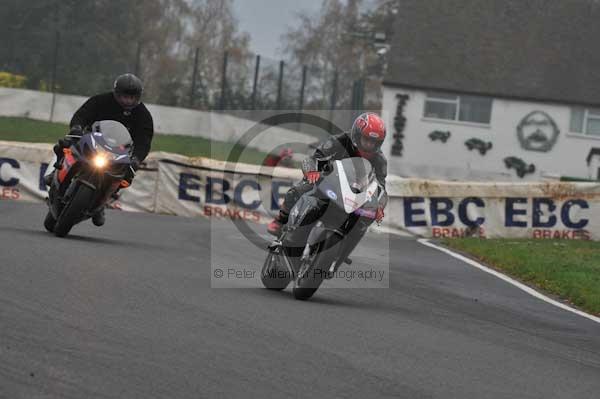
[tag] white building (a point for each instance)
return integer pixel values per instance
(494, 90)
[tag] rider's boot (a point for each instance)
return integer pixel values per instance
(98, 218)
(48, 178)
(58, 150)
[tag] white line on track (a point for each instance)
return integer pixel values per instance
(509, 280)
(389, 230)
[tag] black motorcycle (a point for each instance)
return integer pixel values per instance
(324, 227)
(91, 171)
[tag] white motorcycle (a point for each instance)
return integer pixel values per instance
(324, 227)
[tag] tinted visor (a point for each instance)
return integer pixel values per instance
(128, 91)
(369, 144)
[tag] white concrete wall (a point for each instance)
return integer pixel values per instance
(452, 160)
(167, 120)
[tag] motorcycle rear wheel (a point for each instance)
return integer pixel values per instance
(272, 275)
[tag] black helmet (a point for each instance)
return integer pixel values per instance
(128, 85)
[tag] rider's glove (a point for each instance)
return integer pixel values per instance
(379, 215)
(72, 137)
(308, 164)
(75, 133)
(312, 176)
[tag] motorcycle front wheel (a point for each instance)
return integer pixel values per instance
(309, 278)
(49, 222)
(73, 210)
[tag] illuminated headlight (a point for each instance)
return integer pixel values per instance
(100, 161)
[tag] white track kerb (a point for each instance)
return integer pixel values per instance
(509, 280)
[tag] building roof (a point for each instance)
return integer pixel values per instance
(529, 49)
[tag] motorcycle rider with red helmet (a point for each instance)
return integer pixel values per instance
(363, 140)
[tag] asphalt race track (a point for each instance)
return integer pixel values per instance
(127, 311)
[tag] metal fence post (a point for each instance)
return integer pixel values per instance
(194, 73)
(302, 85)
(255, 84)
(54, 73)
(138, 57)
(358, 89)
(334, 91)
(224, 81)
(333, 100)
(301, 101)
(361, 94)
(280, 84)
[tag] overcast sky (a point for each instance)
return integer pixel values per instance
(266, 21)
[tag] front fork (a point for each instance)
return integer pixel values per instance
(323, 246)
(276, 248)
(348, 238)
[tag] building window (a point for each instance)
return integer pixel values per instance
(458, 108)
(585, 121)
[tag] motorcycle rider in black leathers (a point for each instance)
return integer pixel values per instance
(364, 140)
(122, 104)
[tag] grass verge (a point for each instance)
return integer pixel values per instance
(567, 269)
(34, 131)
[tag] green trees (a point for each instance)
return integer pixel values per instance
(341, 39)
(99, 39)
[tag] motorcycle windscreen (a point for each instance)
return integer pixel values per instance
(359, 173)
(357, 182)
(112, 135)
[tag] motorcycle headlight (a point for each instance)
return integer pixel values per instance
(100, 161)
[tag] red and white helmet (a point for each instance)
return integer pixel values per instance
(368, 133)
